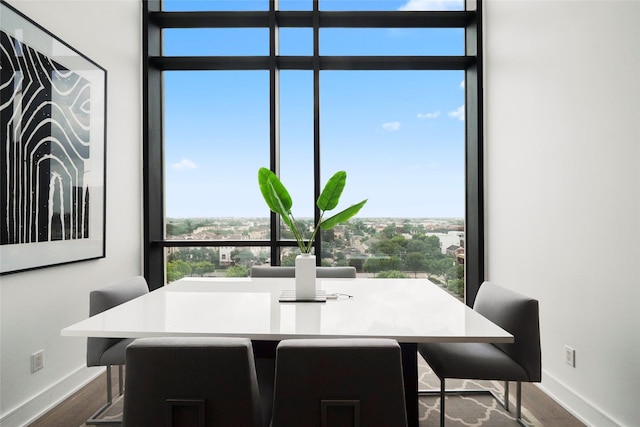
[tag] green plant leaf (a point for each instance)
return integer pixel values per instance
(280, 196)
(343, 216)
(332, 191)
(292, 227)
(274, 192)
(278, 199)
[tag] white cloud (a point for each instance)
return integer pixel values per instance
(184, 164)
(457, 114)
(391, 126)
(433, 115)
(432, 5)
(462, 84)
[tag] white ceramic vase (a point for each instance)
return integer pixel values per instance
(305, 276)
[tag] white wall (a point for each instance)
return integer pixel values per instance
(35, 305)
(562, 104)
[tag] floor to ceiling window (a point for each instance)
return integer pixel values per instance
(386, 90)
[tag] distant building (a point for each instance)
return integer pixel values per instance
(452, 238)
(225, 256)
(456, 252)
(451, 250)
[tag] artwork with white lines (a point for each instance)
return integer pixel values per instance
(45, 149)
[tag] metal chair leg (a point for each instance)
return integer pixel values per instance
(109, 392)
(94, 420)
(505, 400)
(442, 393)
(519, 403)
(120, 380)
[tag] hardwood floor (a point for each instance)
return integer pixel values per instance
(76, 409)
(545, 409)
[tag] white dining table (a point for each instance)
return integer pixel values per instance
(411, 311)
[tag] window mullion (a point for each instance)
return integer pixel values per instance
(316, 124)
(274, 120)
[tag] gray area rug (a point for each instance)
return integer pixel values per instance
(476, 410)
(461, 410)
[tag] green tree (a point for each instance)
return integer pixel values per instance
(193, 255)
(242, 256)
(438, 266)
(392, 274)
(373, 265)
(327, 251)
(237, 271)
(173, 273)
(457, 287)
(289, 260)
(328, 235)
(203, 267)
(417, 245)
(391, 263)
(386, 247)
(433, 245)
(357, 263)
(416, 261)
(183, 266)
(389, 231)
(455, 271)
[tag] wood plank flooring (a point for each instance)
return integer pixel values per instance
(75, 410)
(545, 409)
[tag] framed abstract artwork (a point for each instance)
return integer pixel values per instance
(52, 149)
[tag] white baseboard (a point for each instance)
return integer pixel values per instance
(577, 405)
(49, 398)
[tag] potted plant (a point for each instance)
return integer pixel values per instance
(279, 201)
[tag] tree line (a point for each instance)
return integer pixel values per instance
(390, 253)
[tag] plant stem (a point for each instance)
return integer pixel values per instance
(315, 231)
(297, 234)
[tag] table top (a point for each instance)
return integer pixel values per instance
(408, 310)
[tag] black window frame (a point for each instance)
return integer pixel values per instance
(155, 63)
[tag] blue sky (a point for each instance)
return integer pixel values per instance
(191, 5)
(398, 134)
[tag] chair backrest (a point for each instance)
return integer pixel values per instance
(172, 381)
(104, 299)
(336, 272)
(518, 315)
(338, 382)
(272, 271)
(321, 272)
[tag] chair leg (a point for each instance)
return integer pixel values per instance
(442, 393)
(505, 400)
(109, 392)
(94, 420)
(120, 380)
(519, 403)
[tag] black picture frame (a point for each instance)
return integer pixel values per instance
(53, 102)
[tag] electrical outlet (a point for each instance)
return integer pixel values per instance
(37, 361)
(569, 356)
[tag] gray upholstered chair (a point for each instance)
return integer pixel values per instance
(339, 382)
(111, 351)
(265, 361)
(203, 381)
(520, 361)
(321, 272)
